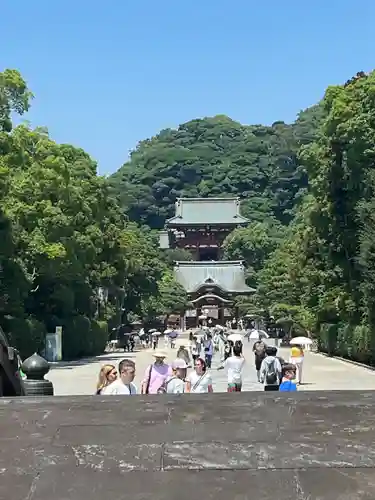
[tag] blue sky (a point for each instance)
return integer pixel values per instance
(108, 74)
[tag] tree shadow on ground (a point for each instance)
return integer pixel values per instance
(103, 359)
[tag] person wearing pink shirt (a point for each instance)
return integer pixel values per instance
(156, 374)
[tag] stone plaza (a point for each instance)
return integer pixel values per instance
(320, 372)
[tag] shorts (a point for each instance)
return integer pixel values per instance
(258, 362)
(271, 387)
(233, 387)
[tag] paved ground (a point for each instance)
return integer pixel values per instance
(320, 373)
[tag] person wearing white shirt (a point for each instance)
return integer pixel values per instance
(234, 364)
(199, 381)
(176, 384)
(123, 385)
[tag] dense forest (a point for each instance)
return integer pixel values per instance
(308, 189)
(68, 255)
(81, 251)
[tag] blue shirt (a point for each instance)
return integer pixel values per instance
(288, 386)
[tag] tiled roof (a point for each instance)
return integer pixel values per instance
(206, 211)
(227, 275)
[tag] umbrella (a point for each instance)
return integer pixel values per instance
(301, 341)
(235, 337)
(152, 330)
(168, 330)
(155, 334)
(258, 334)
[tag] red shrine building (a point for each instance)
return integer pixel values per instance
(200, 226)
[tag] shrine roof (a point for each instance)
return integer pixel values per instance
(207, 211)
(229, 276)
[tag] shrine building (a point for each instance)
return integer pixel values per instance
(200, 225)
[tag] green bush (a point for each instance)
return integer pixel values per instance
(327, 339)
(344, 347)
(82, 337)
(362, 350)
(99, 337)
(348, 341)
(26, 334)
(76, 337)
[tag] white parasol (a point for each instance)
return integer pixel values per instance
(300, 341)
(258, 334)
(155, 334)
(235, 337)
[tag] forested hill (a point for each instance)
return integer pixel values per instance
(218, 157)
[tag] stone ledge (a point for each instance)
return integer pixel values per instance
(314, 445)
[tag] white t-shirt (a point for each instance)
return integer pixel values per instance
(118, 387)
(194, 349)
(204, 382)
(175, 386)
(234, 366)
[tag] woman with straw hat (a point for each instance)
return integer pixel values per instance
(156, 374)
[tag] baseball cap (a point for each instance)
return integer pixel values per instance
(179, 363)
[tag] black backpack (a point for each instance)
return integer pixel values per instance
(271, 375)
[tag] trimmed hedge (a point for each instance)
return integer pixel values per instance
(347, 341)
(82, 337)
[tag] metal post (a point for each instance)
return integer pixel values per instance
(35, 367)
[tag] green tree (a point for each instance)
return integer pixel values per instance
(253, 244)
(215, 157)
(171, 299)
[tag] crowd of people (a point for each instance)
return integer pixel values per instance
(273, 372)
(159, 377)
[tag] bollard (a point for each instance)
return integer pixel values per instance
(35, 367)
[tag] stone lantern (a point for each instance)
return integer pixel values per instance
(35, 367)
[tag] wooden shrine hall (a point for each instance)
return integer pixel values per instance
(200, 225)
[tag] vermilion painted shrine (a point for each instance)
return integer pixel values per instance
(201, 225)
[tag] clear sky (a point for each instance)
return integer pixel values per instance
(108, 74)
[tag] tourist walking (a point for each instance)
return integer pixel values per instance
(176, 384)
(183, 353)
(208, 350)
(227, 350)
(194, 348)
(107, 375)
(259, 350)
(234, 365)
(155, 340)
(270, 370)
(297, 357)
(172, 339)
(124, 384)
(287, 383)
(156, 374)
(199, 381)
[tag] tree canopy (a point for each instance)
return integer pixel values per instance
(217, 157)
(69, 256)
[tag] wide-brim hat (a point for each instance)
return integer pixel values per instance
(158, 353)
(179, 364)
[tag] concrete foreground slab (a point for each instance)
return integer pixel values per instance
(303, 446)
